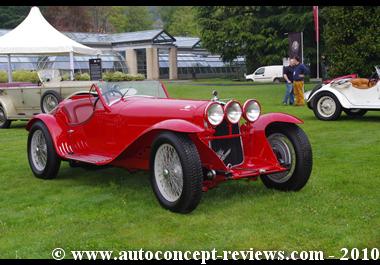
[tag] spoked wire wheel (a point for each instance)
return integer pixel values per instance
(39, 150)
(286, 155)
(168, 172)
(42, 156)
(292, 149)
(176, 172)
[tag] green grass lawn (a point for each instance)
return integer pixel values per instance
(110, 209)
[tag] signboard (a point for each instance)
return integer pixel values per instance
(95, 69)
(295, 45)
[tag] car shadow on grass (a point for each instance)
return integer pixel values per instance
(102, 175)
(366, 118)
(139, 181)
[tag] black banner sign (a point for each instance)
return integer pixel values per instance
(295, 44)
(95, 69)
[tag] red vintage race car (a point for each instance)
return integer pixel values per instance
(189, 146)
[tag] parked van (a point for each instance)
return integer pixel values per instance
(271, 73)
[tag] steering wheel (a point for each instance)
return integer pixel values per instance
(112, 91)
(105, 94)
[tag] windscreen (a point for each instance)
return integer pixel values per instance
(116, 90)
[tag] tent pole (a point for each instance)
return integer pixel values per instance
(71, 66)
(9, 69)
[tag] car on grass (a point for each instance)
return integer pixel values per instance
(22, 100)
(189, 146)
(354, 96)
(270, 73)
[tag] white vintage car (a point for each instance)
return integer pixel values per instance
(355, 96)
(20, 101)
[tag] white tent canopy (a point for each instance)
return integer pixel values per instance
(36, 36)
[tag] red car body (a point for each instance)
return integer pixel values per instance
(121, 134)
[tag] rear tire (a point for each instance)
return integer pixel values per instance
(355, 112)
(176, 172)
(293, 150)
(326, 106)
(277, 81)
(42, 157)
(4, 122)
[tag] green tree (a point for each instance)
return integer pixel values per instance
(166, 14)
(131, 18)
(180, 20)
(11, 16)
(256, 32)
(352, 36)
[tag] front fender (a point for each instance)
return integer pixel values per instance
(54, 128)
(264, 120)
(327, 88)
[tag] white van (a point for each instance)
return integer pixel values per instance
(271, 73)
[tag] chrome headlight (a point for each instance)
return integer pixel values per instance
(214, 114)
(252, 110)
(233, 111)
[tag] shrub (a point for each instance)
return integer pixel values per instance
(3, 77)
(65, 77)
(107, 76)
(119, 76)
(82, 77)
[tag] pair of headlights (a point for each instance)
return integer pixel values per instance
(233, 111)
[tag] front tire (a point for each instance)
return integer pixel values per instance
(355, 112)
(176, 172)
(326, 107)
(293, 150)
(42, 157)
(4, 122)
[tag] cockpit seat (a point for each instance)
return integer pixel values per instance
(362, 83)
(79, 110)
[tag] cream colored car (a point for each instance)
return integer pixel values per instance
(20, 101)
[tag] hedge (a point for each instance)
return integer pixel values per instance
(20, 76)
(119, 76)
(31, 76)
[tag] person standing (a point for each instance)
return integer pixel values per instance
(288, 76)
(299, 72)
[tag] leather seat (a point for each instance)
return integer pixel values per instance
(362, 83)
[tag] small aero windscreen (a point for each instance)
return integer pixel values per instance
(149, 88)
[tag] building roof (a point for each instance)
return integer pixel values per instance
(187, 42)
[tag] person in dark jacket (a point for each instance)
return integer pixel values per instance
(288, 76)
(299, 72)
